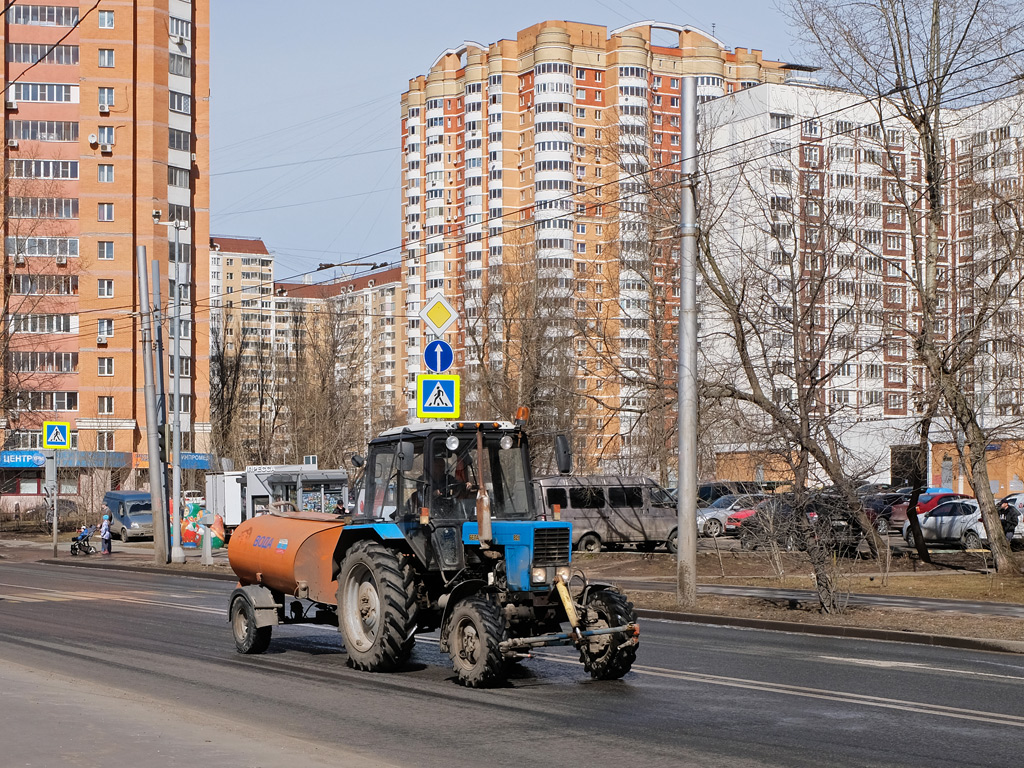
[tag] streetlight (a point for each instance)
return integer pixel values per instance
(177, 553)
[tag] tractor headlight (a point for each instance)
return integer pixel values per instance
(539, 575)
(565, 572)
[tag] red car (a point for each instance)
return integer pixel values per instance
(734, 522)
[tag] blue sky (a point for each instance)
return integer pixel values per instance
(313, 88)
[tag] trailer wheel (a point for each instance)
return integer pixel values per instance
(606, 658)
(475, 630)
(376, 607)
(248, 637)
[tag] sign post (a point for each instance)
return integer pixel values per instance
(437, 394)
(56, 436)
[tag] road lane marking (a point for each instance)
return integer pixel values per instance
(139, 597)
(917, 665)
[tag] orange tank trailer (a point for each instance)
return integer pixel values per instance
(291, 554)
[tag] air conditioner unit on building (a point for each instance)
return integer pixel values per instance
(177, 39)
(107, 148)
(62, 259)
(12, 143)
(19, 260)
(104, 109)
(10, 105)
(101, 340)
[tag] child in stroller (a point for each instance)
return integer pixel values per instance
(80, 543)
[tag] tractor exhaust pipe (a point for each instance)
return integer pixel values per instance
(483, 501)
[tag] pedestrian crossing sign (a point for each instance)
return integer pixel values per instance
(437, 396)
(56, 434)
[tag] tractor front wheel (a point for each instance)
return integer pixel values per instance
(475, 630)
(607, 658)
(376, 607)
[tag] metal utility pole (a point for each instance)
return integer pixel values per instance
(686, 524)
(177, 553)
(51, 484)
(156, 486)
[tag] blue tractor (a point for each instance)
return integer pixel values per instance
(444, 535)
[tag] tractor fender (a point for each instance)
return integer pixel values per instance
(262, 601)
(451, 599)
(593, 587)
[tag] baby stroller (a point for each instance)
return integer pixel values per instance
(81, 542)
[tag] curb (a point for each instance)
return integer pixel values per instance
(135, 568)
(856, 633)
(853, 633)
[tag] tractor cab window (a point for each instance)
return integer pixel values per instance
(458, 472)
(382, 473)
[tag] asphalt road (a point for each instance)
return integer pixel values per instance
(113, 668)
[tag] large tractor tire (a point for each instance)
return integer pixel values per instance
(607, 658)
(376, 607)
(248, 637)
(475, 630)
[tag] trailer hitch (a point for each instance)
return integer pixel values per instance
(564, 638)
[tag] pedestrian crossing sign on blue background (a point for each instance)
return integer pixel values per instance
(437, 396)
(56, 434)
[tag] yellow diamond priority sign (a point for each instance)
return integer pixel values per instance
(438, 314)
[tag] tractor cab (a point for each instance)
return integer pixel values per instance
(446, 471)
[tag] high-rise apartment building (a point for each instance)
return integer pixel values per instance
(106, 143)
(524, 203)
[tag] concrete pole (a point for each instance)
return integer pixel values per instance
(177, 553)
(686, 524)
(160, 374)
(50, 487)
(156, 486)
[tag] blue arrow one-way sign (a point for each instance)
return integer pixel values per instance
(439, 356)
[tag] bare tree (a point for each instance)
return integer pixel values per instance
(918, 60)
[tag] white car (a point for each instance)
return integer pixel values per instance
(711, 520)
(194, 497)
(952, 522)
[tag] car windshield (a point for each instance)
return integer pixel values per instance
(724, 502)
(662, 498)
(140, 508)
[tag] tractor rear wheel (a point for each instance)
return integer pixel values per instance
(607, 658)
(376, 607)
(475, 630)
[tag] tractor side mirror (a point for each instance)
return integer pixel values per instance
(563, 455)
(357, 460)
(405, 457)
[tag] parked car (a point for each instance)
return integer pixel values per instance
(131, 514)
(193, 497)
(779, 519)
(709, 492)
(886, 511)
(956, 521)
(712, 520)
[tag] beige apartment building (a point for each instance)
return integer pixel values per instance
(525, 202)
(105, 141)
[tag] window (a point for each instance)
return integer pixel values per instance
(177, 177)
(43, 92)
(181, 140)
(43, 15)
(106, 58)
(180, 28)
(34, 53)
(105, 133)
(105, 366)
(42, 207)
(105, 288)
(105, 327)
(180, 65)
(895, 401)
(106, 19)
(105, 212)
(180, 102)
(586, 497)
(105, 172)
(105, 250)
(105, 440)
(43, 169)
(105, 97)
(42, 130)
(105, 405)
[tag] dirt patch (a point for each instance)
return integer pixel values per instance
(987, 627)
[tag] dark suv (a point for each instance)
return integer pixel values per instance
(787, 521)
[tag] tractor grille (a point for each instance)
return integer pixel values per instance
(551, 546)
